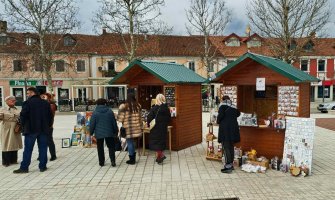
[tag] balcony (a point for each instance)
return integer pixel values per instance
(109, 73)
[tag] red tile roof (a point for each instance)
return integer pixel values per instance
(159, 45)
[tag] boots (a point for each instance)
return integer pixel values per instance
(132, 159)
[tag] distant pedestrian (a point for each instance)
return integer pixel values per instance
(11, 142)
(217, 101)
(103, 126)
(130, 116)
(157, 138)
(36, 120)
(51, 144)
(229, 132)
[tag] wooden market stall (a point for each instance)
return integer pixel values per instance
(282, 90)
(182, 89)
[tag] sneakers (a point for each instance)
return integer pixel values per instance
(227, 170)
(43, 170)
(20, 171)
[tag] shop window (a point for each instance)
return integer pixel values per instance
(18, 65)
(233, 42)
(111, 65)
(60, 66)
(321, 65)
(326, 91)
(80, 65)
(191, 65)
(304, 65)
(69, 41)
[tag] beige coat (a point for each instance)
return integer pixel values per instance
(132, 122)
(10, 141)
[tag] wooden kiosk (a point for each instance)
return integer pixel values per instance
(287, 93)
(182, 89)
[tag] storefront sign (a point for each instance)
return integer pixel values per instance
(260, 84)
(21, 83)
(55, 83)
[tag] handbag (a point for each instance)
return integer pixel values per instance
(117, 142)
(123, 132)
(153, 122)
(17, 128)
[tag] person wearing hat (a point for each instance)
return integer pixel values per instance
(11, 142)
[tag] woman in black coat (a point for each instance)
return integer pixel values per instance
(229, 132)
(157, 137)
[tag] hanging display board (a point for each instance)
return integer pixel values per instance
(170, 96)
(298, 144)
(288, 100)
(230, 91)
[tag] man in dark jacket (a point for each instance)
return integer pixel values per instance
(36, 120)
(103, 126)
(229, 132)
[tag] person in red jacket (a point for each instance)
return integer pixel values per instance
(51, 144)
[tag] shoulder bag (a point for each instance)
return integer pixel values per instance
(153, 122)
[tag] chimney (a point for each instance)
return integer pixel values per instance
(104, 31)
(3, 26)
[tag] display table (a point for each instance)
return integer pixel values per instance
(147, 131)
(268, 142)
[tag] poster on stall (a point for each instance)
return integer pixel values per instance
(260, 84)
(298, 144)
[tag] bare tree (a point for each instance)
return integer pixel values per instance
(207, 17)
(289, 24)
(130, 19)
(49, 19)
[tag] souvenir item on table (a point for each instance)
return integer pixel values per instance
(81, 118)
(66, 142)
(173, 111)
(279, 124)
(247, 119)
(75, 138)
(88, 116)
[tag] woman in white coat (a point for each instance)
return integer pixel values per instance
(11, 142)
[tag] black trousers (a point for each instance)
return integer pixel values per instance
(9, 157)
(111, 148)
(51, 143)
(228, 147)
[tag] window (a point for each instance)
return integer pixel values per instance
(304, 65)
(254, 42)
(229, 61)
(30, 41)
(69, 41)
(233, 42)
(38, 67)
(292, 45)
(80, 65)
(111, 65)
(18, 65)
(321, 65)
(191, 65)
(211, 67)
(60, 66)
(308, 46)
(4, 40)
(326, 93)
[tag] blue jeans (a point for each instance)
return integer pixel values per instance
(131, 146)
(29, 142)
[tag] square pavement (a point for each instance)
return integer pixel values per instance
(185, 174)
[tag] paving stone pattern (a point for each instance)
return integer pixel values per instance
(185, 174)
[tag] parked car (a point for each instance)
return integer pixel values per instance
(324, 107)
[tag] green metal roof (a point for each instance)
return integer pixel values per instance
(274, 64)
(166, 72)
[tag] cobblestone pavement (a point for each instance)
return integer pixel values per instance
(185, 174)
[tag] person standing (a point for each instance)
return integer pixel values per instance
(36, 120)
(157, 138)
(51, 144)
(103, 126)
(130, 116)
(11, 142)
(229, 132)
